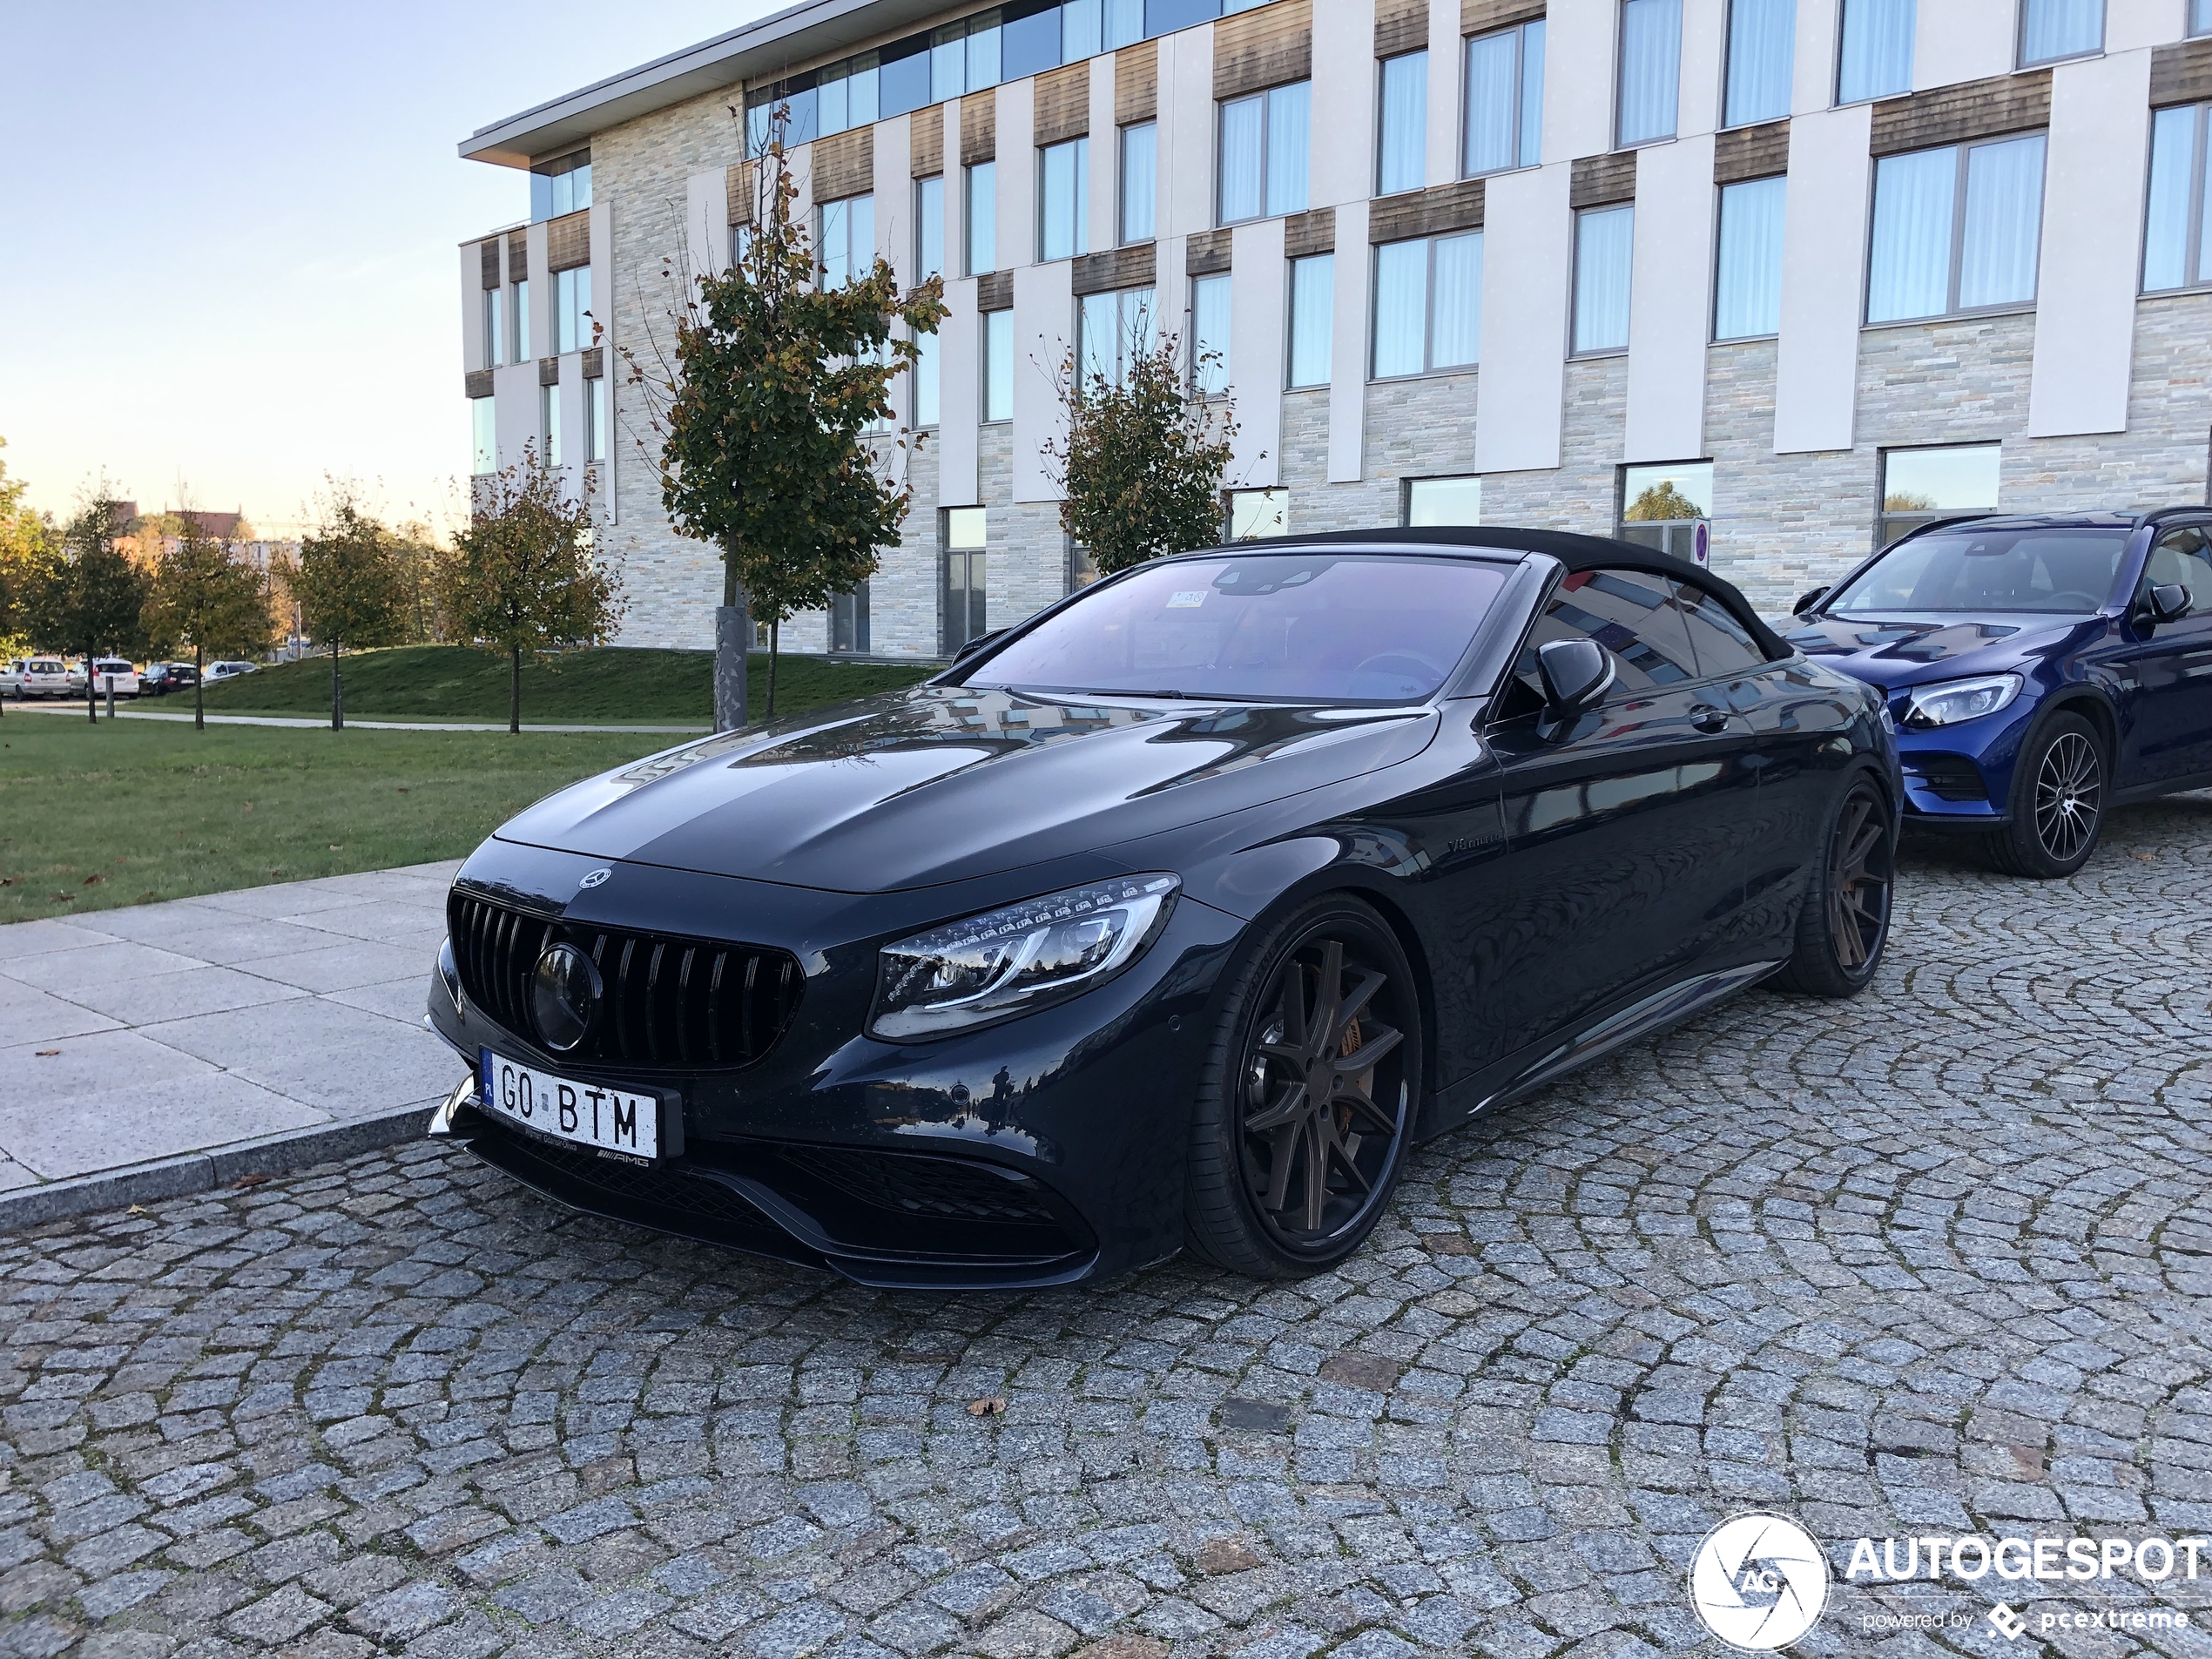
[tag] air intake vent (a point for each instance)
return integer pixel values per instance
(667, 1001)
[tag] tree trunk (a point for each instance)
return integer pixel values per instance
(774, 628)
(337, 693)
(198, 689)
(515, 691)
(732, 637)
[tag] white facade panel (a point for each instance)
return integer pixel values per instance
(1348, 347)
(1528, 238)
(603, 333)
(472, 306)
(2093, 186)
(892, 155)
(960, 396)
(1823, 253)
(1256, 305)
(1016, 172)
(1704, 54)
(1579, 41)
(706, 231)
(1955, 40)
(1186, 129)
(541, 331)
(1344, 100)
(955, 195)
(1105, 156)
(1044, 316)
(2133, 23)
(1445, 78)
(1670, 301)
(516, 412)
(1812, 73)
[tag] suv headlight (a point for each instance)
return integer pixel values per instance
(1951, 701)
(1015, 959)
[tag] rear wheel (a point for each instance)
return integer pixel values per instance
(1845, 922)
(1307, 1095)
(2057, 809)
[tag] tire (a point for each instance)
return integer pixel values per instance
(1843, 924)
(2056, 812)
(1251, 1205)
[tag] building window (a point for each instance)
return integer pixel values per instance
(1874, 55)
(1920, 486)
(982, 211)
(1433, 503)
(2200, 16)
(1505, 114)
(522, 320)
(1401, 146)
(1428, 305)
(1604, 255)
(1955, 229)
(846, 241)
(572, 309)
(1116, 329)
(1314, 289)
(849, 620)
(1082, 568)
(1668, 509)
(1209, 335)
(1140, 182)
(1063, 199)
(926, 380)
(1746, 277)
(1264, 153)
(929, 227)
(492, 355)
(595, 418)
(2056, 29)
(998, 366)
(1650, 69)
(549, 401)
(1257, 513)
(962, 610)
(2177, 251)
(484, 437)
(1762, 49)
(563, 186)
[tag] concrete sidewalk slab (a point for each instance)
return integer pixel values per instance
(157, 1050)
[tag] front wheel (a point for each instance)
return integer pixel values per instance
(2057, 808)
(1307, 1095)
(1843, 924)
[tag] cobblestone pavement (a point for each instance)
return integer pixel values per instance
(1931, 1263)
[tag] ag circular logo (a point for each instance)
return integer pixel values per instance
(1758, 1582)
(593, 878)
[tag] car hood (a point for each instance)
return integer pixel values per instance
(939, 783)
(1910, 650)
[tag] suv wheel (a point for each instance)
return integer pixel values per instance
(2056, 811)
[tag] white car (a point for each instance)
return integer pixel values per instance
(35, 677)
(126, 675)
(218, 672)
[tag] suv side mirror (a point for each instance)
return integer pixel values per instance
(2170, 602)
(1577, 673)
(1807, 600)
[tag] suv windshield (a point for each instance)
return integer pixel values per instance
(1970, 570)
(1314, 626)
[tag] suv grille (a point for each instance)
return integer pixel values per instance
(667, 1001)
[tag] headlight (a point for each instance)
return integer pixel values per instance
(1955, 700)
(1013, 960)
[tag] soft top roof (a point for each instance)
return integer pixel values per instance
(1573, 551)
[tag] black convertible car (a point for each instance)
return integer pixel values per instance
(1172, 916)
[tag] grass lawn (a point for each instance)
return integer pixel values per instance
(452, 683)
(132, 811)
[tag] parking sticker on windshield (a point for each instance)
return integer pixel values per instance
(1188, 600)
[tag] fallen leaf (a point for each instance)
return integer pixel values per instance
(42, 1053)
(138, 1210)
(93, 880)
(248, 1181)
(404, 789)
(336, 847)
(992, 1408)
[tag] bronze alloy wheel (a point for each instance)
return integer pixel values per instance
(2069, 793)
(1859, 873)
(1324, 1099)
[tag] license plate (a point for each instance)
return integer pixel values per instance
(615, 1120)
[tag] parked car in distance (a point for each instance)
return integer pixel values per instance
(161, 678)
(1172, 916)
(2041, 668)
(126, 675)
(218, 672)
(35, 677)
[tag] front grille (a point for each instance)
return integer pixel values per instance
(1948, 777)
(667, 1001)
(940, 1188)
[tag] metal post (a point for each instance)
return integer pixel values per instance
(109, 678)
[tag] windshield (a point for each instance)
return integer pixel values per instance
(1308, 626)
(2060, 571)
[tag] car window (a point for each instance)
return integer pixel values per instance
(1631, 613)
(2064, 570)
(1724, 645)
(2184, 556)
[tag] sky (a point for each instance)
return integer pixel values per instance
(228, 234)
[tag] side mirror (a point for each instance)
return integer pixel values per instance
(1577, 673)
(1807, 600)
(976, 644)
(2170, 602)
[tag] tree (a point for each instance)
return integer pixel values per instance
(205, 595)
(1140, 468)
(522, 578)
(772, 416)
(415, 553)
(346, 584)
(89, 600)
(1660, 501)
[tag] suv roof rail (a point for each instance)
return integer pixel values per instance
(2160, 515)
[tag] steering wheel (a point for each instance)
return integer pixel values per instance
(1413, 664)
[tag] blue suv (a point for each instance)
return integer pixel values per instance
(2041, 668)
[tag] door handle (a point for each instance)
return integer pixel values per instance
(1708, 719)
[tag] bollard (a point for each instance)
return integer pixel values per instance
(109, 678)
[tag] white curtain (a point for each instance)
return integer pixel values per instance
(998, 366)
(2166, 232)
(1239, 191)
(1134, 338)
(1877, 57)
(926, 396)
(1748, 285)
(1101, 321)
(1288, 142)
(1312, 307)
(1209, 334)
(1490, 101)
(1139, 168)
(1910, 262)
(929, 237)
(1604, 250)
(1532, 92)
(1405, 123)
(1456, 302)
(1650, 68)
(2062, 28)
(2004, 226)
(1063, 217)
(1761, 43)
(1401, 307)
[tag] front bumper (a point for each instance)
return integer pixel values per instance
(1960, 777)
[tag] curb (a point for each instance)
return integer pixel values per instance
(197, 1172)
